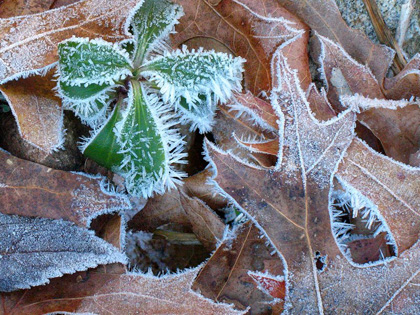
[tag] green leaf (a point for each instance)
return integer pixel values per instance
(200, 116)
(148, 145)
(191, 74)
(151, 25)
(103, 147)
(89, 102)
(83, 61)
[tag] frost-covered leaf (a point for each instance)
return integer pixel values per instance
(34, 250)
(89, 102)
(236, 271)
(291, 205)
(407, 83)
(175, 207)
(194, 75)
(44, 192)
(249, 29)
(30, 42)
(393, 187)
(148, 144)
(84, 62)
(151, 25)
(247, 119)
(393, 127)
(37, 111)
(324, 17)
(200, 115)
(98, 293)
(10, 8)
(103, 146)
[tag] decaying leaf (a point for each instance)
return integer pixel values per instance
(393, 187)
(10, 8)
(34, 250)
(28, 45)
(44, 192)
(101, 293)
(245, 272)
(291, 204)
(397, 128)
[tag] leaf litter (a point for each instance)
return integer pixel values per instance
(303, 162)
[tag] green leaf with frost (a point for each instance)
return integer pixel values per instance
(189, 74)
(200, 116)
(148, 144)
(103, 146)
(89, 102)
(151, 25)
(84, 62)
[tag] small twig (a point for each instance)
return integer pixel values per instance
(405, 17)
(385, 35)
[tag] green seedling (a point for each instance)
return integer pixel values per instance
(135, 92)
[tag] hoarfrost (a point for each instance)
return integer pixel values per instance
(37, 249)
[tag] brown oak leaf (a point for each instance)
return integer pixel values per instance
(291, 204)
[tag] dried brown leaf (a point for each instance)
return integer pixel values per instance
(101, 293)
(291, 204)
(175, 207)
(324, 17)
(233, 273)
(10, 8)
(34, 250)
(44, 192)
(393, 187)
(37, 110)
(393, 127)
(407, 83)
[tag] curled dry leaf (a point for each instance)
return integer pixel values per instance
(392, 186)
(396, 128)
(28, 45)
(37, 110)
(407, 83)
(34, 250)
(99, 293)
(291, 204)
(245, 272)
(44, 192)
(324, 17)
(175, 207)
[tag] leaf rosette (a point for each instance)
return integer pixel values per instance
(133, 94)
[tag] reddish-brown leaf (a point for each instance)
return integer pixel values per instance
(30, 189)
(114, 293)
(291, 204)
(245, 272)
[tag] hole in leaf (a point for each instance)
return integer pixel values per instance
(320, 261)
(359, 229)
